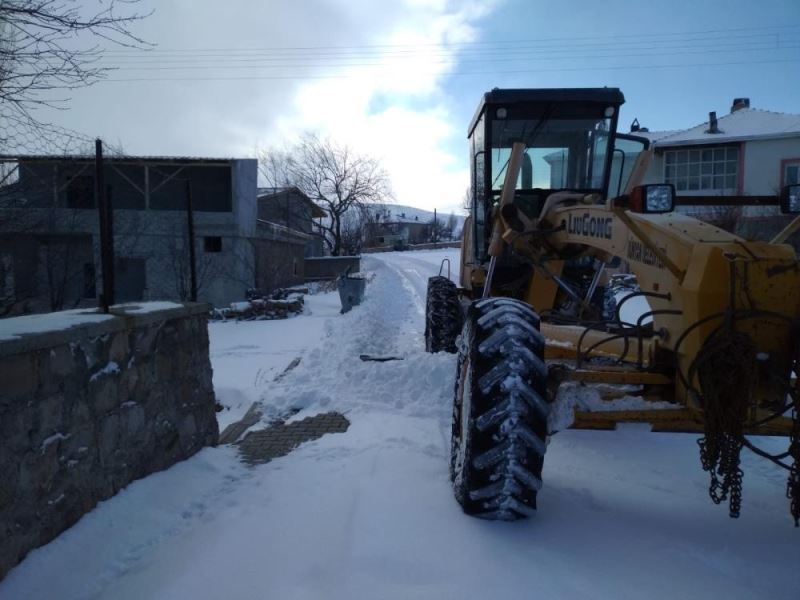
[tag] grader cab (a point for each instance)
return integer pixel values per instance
(557, 213)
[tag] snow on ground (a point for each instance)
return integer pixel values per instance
(247, 355)
(370, 513)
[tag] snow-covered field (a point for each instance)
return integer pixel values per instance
(370, 513)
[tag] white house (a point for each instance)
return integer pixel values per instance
(749, 152)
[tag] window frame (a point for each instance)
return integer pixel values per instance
(785, 164)
(697, 167)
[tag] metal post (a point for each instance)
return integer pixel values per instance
(190, 225)
(106, 247)
(112, 258)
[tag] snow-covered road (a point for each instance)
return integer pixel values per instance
(370, 513)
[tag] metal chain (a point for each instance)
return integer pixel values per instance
(793, 483)
(725, 371)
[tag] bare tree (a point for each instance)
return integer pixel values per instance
(354, 229)
(441, 229)
(466, 201)
(335, 177)
(39, 53)
(450, 225)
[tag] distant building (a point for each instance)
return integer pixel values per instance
(389, 228)
(50, 256)
(290, 207)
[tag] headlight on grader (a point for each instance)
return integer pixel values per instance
(790, 199)
(654, 198)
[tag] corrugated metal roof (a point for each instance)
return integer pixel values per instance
(115, 158)
(317, 212)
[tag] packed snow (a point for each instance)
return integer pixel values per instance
(370, 513)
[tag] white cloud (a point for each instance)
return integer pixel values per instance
(367, 74)
(411, 142)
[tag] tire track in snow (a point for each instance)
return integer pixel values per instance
(416, 285)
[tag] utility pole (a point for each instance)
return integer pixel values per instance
(190, 225)
(435, 228)
(106, 239)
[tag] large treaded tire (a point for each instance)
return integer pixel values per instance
(500, 411)
(443, 315)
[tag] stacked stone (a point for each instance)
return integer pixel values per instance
(87, 410)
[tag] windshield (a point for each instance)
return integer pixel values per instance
(560, 153)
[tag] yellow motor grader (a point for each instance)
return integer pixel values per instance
(558, 210)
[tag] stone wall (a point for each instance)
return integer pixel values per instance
(330, 267)
(87, 409)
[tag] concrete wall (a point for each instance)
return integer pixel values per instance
(762, 164)
(245, 185)
(330, 267)
(159, 239)
(156, 239)
(86, 410)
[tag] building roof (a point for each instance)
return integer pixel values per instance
(265, 193)
(739, 126)
(653, 136)
(117, 159)
(605, 95)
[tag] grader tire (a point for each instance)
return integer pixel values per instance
(443, 316)
(500, 411)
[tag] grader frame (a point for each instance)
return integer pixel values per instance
(709, 290)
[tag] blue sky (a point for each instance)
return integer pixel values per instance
(661, 98)
(401, 80)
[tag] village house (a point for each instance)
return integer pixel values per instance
(747, 152)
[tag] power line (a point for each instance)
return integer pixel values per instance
(460, 73)
(384, 65)
(517, 51)
(649, 37)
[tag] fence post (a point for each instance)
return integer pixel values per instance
(106, 241)
(190, 224)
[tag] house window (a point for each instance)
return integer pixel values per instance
(704, 169)
(212, 243)
(791, 172)
(80, 192)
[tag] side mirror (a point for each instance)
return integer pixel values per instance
(790, 199)
(653, 198)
